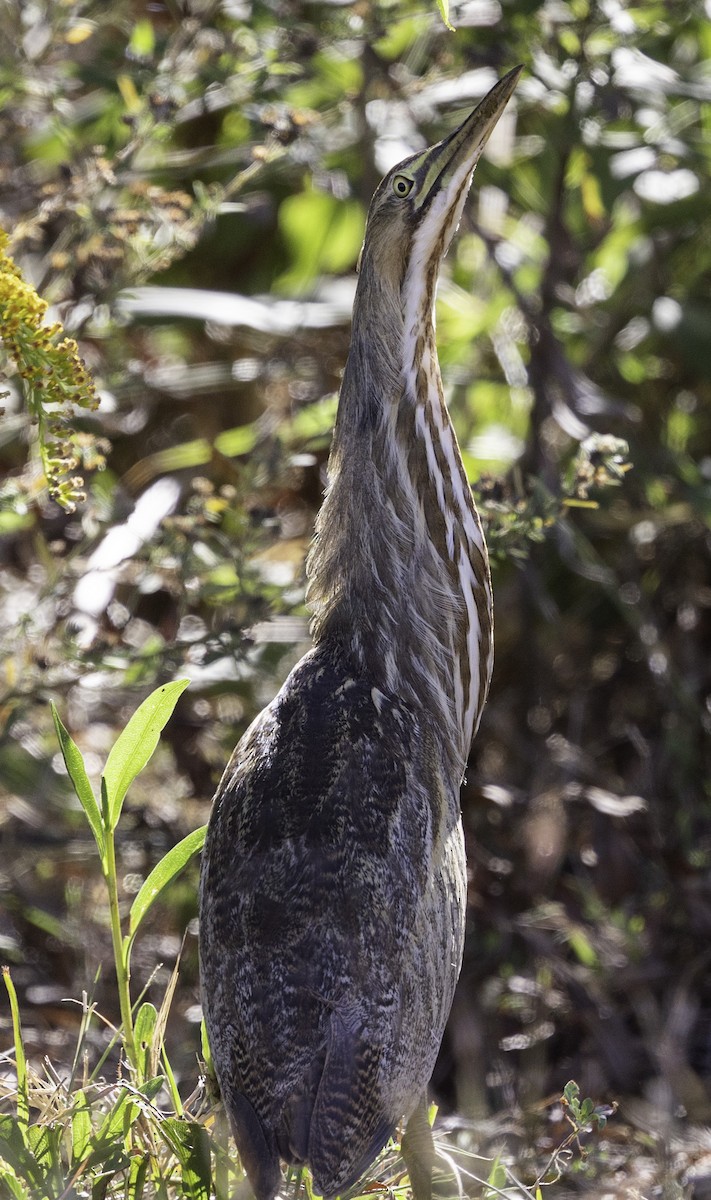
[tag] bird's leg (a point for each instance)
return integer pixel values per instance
(418, 1151)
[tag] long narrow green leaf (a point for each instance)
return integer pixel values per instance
(205, 1048)
(13, 1186)
(143, 1031)
(137, 1174)
(45, 1144)
(81, 1128)
(16, 1152)
(23, 1105)
(76, 770)
(135, 744)
(117, 1122)
(190, 1144)
(443, 6)
(162, 874)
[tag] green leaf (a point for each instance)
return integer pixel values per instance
(143, 1033)
(23, 1105)
(117, 1122)
(163, 874)
(137, 1174)
(400, 36)
(443, 6)
(12, 1184)
(45, 1143)
(143, 39)
(76, 771)
(136, 743)
(497, 1176)
(151, 1087)
(15, 1151)
(323, 235)
(313, 421)
(582, 947)
(205, 1048)
(191, 1146)
(11, 522)
(239, 440)
(81, 1128)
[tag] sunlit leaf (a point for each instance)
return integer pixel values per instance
(237, 441)
(119, 1120)
(22, 1101)
(592, 198)
(205, 1048)
(76, 770)
(136, 743)
(44, 1142)
(144, 1032)
(582, 947)
(128, 91)
(323, 234)
(196, 453)
(312, 421)
(443, 6)
(81, 1127)
(164, 873)
(14, 1187)
(137, 1175)
(16, 1152)
(143, 39)
(79, 32)
(190, 1143)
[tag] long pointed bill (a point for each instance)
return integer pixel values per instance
(450, 161)
(443, 174)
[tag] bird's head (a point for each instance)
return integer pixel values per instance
(418, 205)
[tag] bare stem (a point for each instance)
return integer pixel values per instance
(121, 957)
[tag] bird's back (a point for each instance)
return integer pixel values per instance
(331, 923)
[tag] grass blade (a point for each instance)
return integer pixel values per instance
(162, 874)
(17, 1156)
(144, 1031)
(135, 744)
(443, 6)
(189, 1143)
(160, 1041)
(137, 1175)
(81, 1128)
(76, 770)
(13, 1186)
(23, 1106)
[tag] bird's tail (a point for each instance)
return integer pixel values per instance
(349, 1122)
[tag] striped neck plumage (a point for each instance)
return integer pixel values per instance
(398, 573)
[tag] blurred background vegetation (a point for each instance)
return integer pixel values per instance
(186, 184)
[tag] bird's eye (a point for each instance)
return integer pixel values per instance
(402, 186)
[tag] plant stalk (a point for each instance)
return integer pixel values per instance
(121, 959)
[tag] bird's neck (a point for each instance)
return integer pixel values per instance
(398, 573)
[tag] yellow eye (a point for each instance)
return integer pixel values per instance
(402, 186)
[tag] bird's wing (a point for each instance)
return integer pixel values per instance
(317, 865)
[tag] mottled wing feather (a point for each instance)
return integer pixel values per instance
(327, 921)
(346, 1112)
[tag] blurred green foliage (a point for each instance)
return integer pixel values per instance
(187, 187)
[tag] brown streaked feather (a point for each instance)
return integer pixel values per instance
(334, 883)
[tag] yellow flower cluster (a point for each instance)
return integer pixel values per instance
(54, 374)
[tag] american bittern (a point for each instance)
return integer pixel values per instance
(334, 881)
